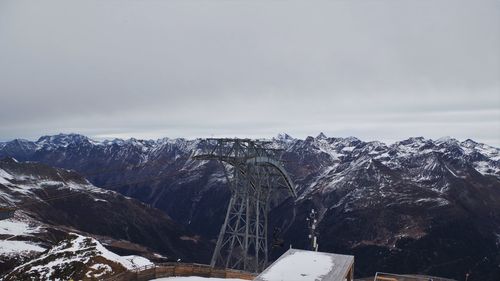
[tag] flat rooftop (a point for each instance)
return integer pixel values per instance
(301, 265)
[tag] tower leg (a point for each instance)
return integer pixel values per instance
(234, 236)
(216, 253)
(247, 228)
(257, 232)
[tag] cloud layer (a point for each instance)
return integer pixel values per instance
(381, 70)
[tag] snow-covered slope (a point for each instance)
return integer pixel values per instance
(75, 257)
(19, 233)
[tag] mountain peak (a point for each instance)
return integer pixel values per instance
(284, 136)
(352, 139)
(413, 140)
(321, 136)
(469, 143)
(62, 138)
(446, 139)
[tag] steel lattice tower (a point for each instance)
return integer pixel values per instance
(253, 172)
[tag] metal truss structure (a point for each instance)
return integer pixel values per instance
(254, 172)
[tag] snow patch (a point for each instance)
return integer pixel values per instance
(98, 267)
(486, 168)
(4, 177)
(439, 201)
(129, 262)
(12, 227)
(8, 247)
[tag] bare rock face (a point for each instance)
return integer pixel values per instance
(415, 206)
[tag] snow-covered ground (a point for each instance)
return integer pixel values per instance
(12, 245)
(17, 227)
(8, 247)
(195, 278)
(4, 177)
(129, 262)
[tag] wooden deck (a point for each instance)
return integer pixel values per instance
(179, 269)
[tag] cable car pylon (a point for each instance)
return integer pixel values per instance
(254, 172)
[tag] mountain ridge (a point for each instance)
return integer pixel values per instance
(372, 197)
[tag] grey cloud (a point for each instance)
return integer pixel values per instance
(374, 69)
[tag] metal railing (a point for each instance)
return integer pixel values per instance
(383, 276)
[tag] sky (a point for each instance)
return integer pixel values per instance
(377, 70)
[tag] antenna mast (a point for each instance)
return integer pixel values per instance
(313, 238)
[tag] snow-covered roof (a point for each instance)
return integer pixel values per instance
(195, 278)
(301, 265)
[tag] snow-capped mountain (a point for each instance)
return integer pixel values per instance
(57, 208)
(413, 206)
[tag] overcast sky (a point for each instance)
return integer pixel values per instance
(377, 70)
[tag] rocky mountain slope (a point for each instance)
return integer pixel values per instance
(415, 206)
(58, 210)
(77, 257)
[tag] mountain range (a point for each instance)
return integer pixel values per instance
(58, 210)
(414, 206)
